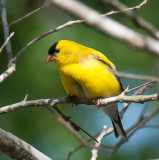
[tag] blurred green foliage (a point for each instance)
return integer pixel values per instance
(36, 125)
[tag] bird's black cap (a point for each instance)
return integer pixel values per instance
(53, 49)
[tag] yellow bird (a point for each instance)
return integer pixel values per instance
(87, 73)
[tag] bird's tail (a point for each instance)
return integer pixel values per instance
(118, 127)
(112, 111)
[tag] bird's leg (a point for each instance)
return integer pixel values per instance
(66, 118)
(71, 99)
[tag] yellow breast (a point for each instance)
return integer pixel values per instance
(89, 79)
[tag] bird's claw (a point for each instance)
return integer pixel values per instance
(71, 99)
(98, 102)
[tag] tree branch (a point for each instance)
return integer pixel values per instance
(6, 29)
(108, 26)
(19, 149)
(6, 42)
(11, 69)
(135, 98)
(102, 102)
(138, 20)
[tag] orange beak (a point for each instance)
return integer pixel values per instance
(49, 58)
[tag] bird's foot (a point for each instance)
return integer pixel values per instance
(72, 99)
(98, 102)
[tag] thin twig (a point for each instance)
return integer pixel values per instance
(26, 97)
(140, 90)
(11, 69)
(152, 81)
(126, 9)
(138, 6)
(5, 43)
(126, 105)
(99, 139)
(152, 126)
(6, 29)
(142, 114)
(26, 16)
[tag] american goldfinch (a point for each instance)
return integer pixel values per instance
(87, 73)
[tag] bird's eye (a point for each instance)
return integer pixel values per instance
(57, 50)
